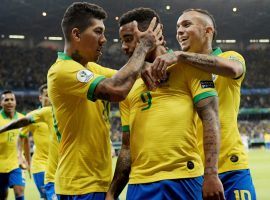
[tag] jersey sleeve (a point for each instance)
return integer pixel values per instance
(77, 80)
(125, 112)
(200, 83)
(24, 131)
(98, 69)
(232, 55)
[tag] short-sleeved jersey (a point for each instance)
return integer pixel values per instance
(232, 154)
(84, 150)
(41, 137)
(163, 142)
(8, 144)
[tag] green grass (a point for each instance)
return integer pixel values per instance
(259, 164)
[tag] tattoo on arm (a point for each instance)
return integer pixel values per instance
(123, 166)
(208, 112)
(118, 87)
(199, 59)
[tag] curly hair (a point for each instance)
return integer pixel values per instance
(79, 15)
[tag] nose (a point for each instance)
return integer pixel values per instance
(180, 30)
(103, 40)
(124, 47)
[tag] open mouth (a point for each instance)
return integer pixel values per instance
(182, 40)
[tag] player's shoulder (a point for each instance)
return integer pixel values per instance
(101, 70)
(47, 110)
(232, 55)
(20, 115)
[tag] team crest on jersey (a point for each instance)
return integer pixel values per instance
(84, 76)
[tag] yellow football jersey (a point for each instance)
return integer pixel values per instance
(232, 154)
(41, 135)
(163, 141)
(8, 144)
(84, 151)
(46, 115)
(52, 160)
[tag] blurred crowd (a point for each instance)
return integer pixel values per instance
(26, 69)
(254, 129)
(23, 68)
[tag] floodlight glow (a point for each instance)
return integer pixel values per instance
(16, 37)
(44, 14)
(116, 18)
(115, 40)
(168, 7)
(263, 40)
(234, 9)
(55, 38)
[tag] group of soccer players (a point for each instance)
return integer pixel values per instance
(178, 111)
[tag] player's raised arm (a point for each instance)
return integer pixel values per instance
(19, 123)
(117, 87)
(207, 110)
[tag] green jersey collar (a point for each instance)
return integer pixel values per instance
(6, 117)
(63, 56)
(216, 51)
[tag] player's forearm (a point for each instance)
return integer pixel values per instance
(117, 88)
(121, 174)
(27, 150)
(19, 146)
(208, 111)
(211, 64)
(16, 124)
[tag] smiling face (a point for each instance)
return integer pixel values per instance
(128, 38)
(89, 42)
(8, 103)
(194, 31)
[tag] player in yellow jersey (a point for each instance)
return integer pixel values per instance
(194, 27)
(84, 168)
(10, 173)
(41, 139)
(159, 155)
(42, 115)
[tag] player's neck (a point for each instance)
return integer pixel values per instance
(9, 114)
(74, 54)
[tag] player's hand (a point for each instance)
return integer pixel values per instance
(160, 65)
(152, 37)
(23, 164)
(147, 78)
(212, 188)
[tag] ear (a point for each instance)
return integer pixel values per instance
(209, 30)
(39, 97)
(75, 34)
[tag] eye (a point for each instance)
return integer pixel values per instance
(186, 24)
(99, 31)
(128, 39)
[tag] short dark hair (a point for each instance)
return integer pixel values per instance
(205, 12)
(42, 87)
(79, 15)
(6, 92)
(142, 15)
